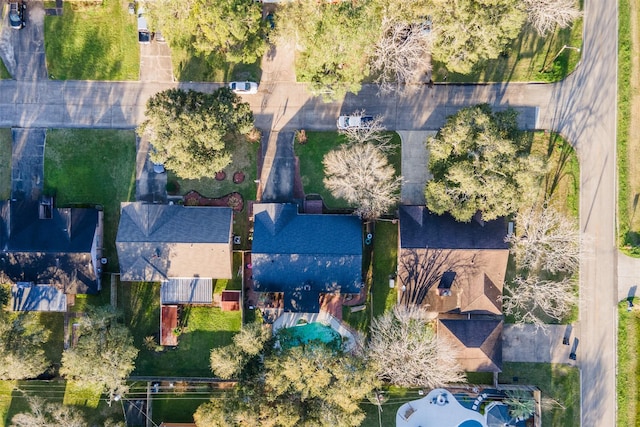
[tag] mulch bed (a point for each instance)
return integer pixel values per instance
(220, 176)
(233, 200)
(238, 177)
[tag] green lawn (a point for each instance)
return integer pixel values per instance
(4, 73)
(92, 167)
(385, 262)
(561, 185)
(628, 377)
(189, 67)
(559, 384)
(92, 41)
(204, 328)
(54, 323)
(13, 401)
(395, 397)
(5, 164)
(180, 406)
(628, 146)
(528, 58)
(313, 151)
(244, 159)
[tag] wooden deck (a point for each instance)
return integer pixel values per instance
(168, 322)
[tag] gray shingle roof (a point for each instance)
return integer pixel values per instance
(54, 251)
(156, 242)
(478, 341)
(304, 255)
(419, 228)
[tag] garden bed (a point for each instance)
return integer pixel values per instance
(233, 200)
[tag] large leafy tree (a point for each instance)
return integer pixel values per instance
(480, 163)
(21, 340)
(104, 354)
(190, 130)
(469, 31)
(335, 41)
(221, 30)
(308, 385)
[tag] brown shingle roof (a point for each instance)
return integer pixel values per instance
(478, 342)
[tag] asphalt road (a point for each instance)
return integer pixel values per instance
(582, 108)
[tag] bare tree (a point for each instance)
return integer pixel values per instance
(544, 15)
(402, 50)
(421, 270)
(361, 174)
(373, 132)
(530, 299)
(546, 240)
(45, 414)
(406, 352)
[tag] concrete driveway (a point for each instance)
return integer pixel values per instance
(527, 343)
(27, 163)
(27, 46)
(155, 62)
(415, 173)
(150, 186)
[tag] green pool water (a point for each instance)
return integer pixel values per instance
(310, 332)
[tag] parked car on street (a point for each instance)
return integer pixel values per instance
(17, 15)
(244, 88)
(354, 121)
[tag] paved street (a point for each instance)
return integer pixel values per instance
(582, 108)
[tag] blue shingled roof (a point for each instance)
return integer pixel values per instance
(304, 255)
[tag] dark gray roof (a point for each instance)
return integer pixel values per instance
(304, 255)
(141, 222)
(419, 228)
(54, 251)
(187, 291)
(157, 242)
(37, 298)
(481, 341)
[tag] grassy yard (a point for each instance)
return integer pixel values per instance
(233, 284)
(54, 323)
(245, 155)
(561, 185)
(559, 384)
(313, 151)
(628, 127)
(203, 329)
(4, 73)
(92, 41)
(395, 398)
(528, 58)
(189, 67)
(92, 167)
(628, 378)
(13, 400)
(5, 164)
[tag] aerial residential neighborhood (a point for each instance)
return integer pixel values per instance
(345, 213)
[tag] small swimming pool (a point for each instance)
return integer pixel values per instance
(470, 423)
(309, 332)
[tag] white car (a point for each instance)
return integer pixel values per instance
(354, 121)
(244, 88)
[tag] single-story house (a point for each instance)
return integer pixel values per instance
(449, 266)
(183, 247)
(302, 256)
(48, 253)
(457, 271)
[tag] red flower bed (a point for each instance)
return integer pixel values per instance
(233, 200)
(220, 176)
(238, 177)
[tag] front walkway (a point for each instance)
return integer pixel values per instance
(27, 163)
(415, 173)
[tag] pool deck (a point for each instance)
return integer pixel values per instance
(439, 408)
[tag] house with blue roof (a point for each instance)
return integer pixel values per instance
(49, 253)
(300, 257)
